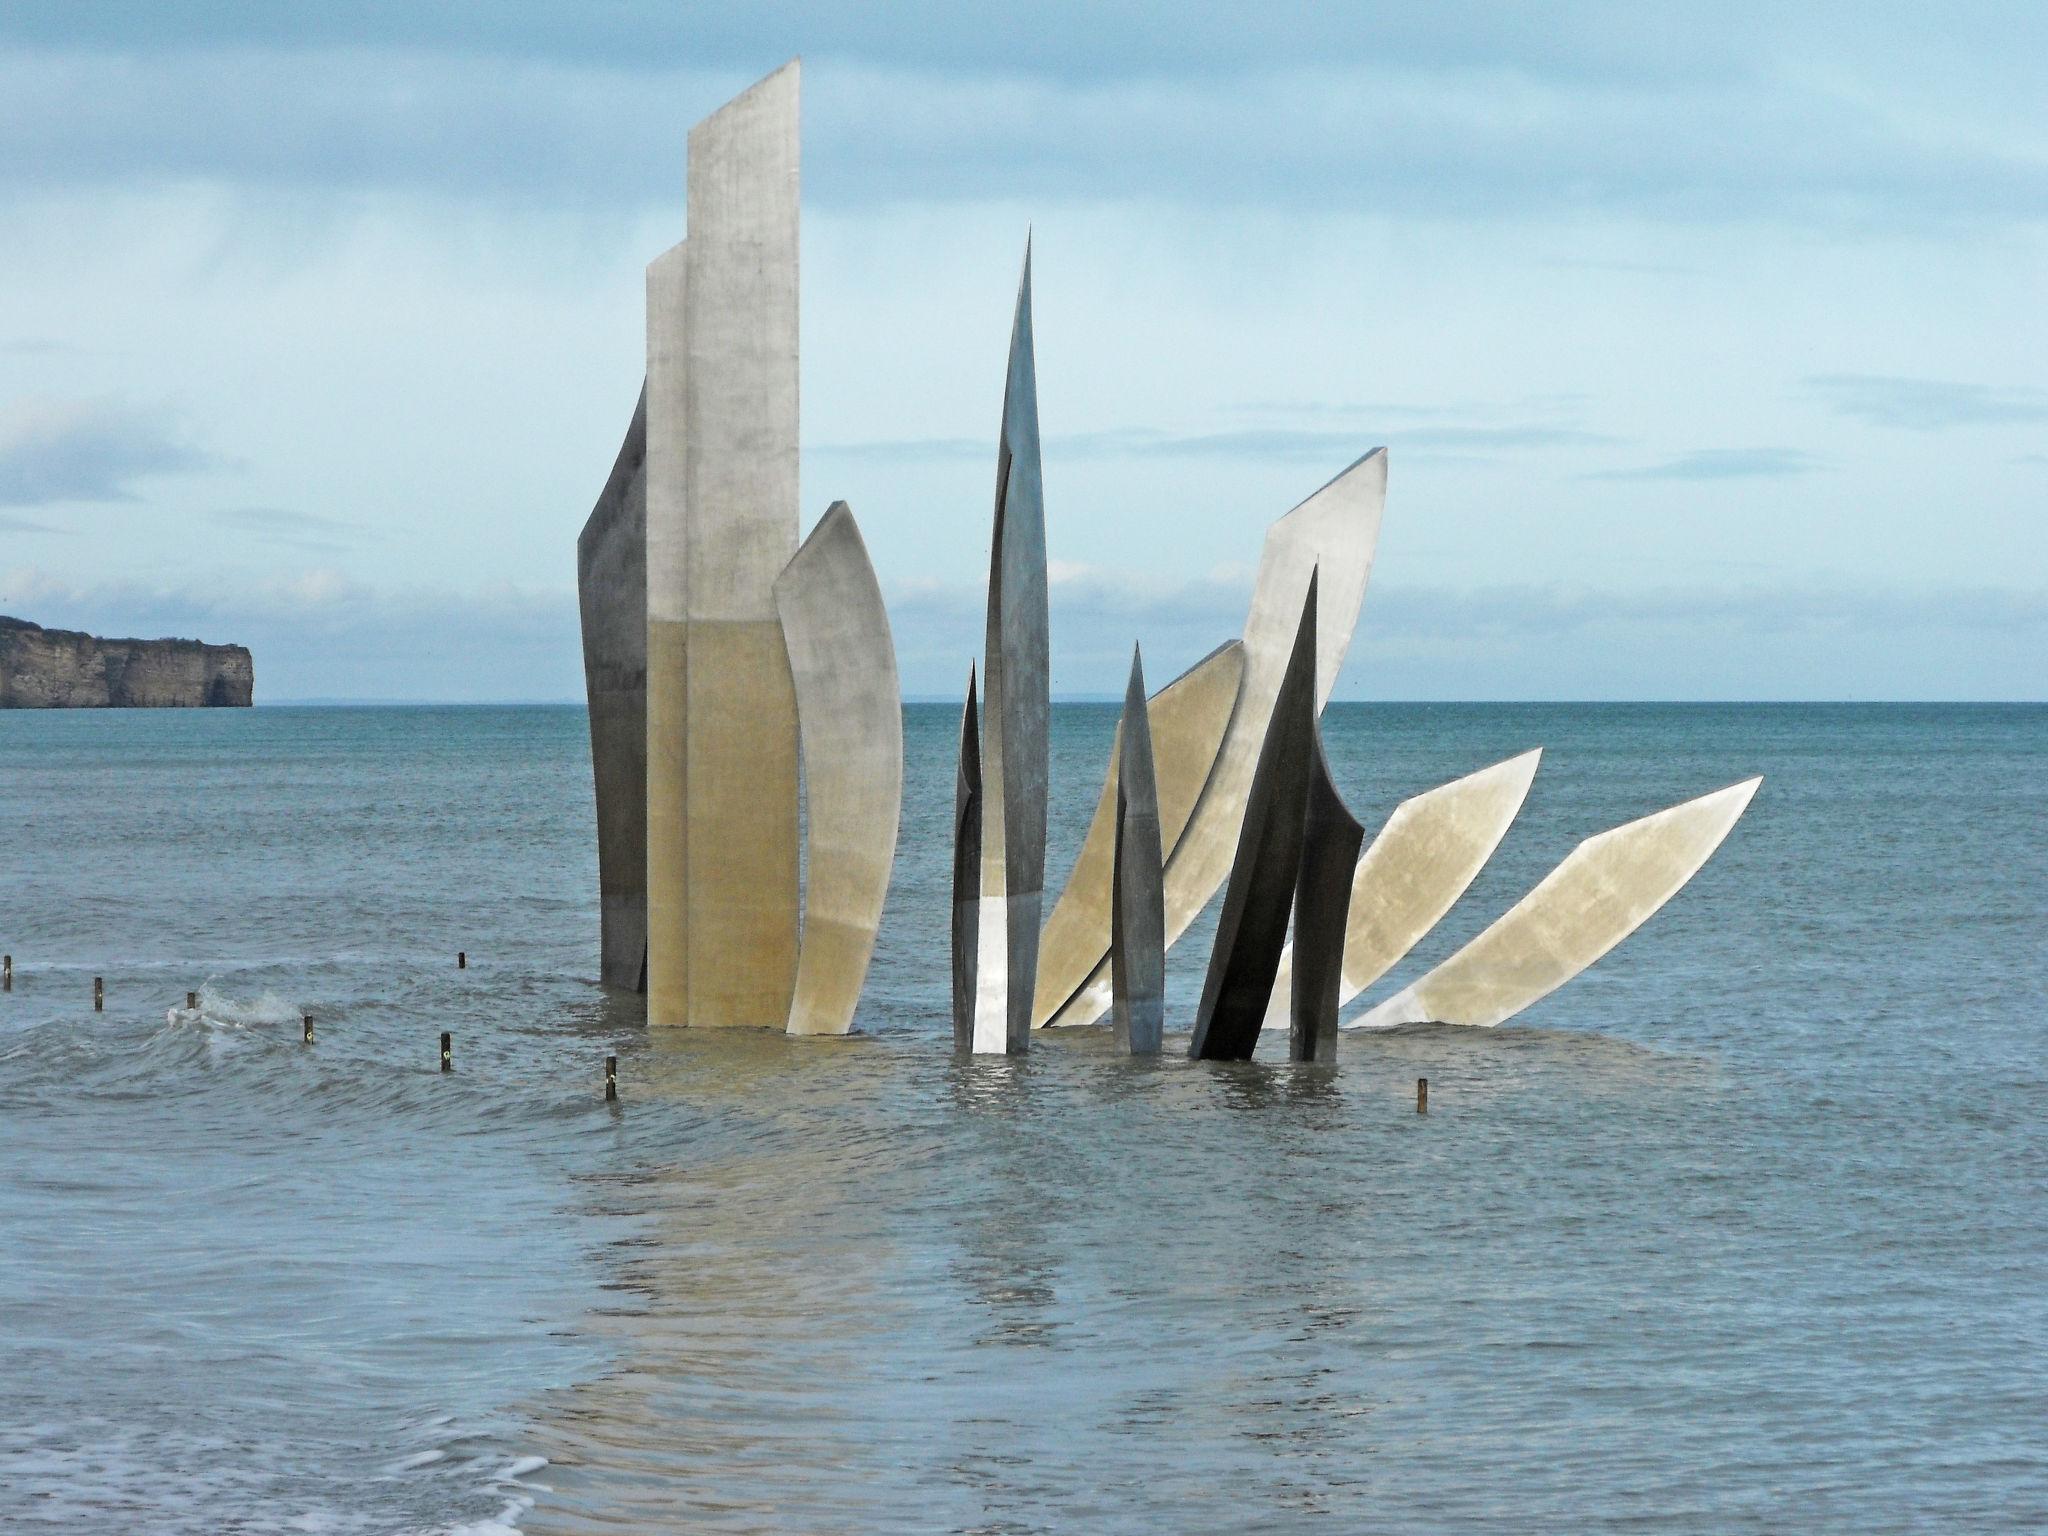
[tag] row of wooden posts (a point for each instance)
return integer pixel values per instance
(99, 1005)
(611, 1063)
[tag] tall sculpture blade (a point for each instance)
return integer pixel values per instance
(1322, 896)
(850, 720)
(1137, 945)
(1605, 889)
(611, 590)
(1334, 531)
(1187, 719)
(1016, 681)
(1430, 850)
(966, 870)
(1253, 927)
(722, 517)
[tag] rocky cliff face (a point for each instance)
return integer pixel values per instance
(63, 669)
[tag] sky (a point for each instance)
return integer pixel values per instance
(1709, 342)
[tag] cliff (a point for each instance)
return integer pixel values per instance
(63, 669)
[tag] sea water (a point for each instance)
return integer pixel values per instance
(1743, 1230)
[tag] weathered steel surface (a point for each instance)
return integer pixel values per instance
(850, 717)
(1137, 945)
(1187, 719)
(1334, 531)
(1430, 850)
(1605, 889)
(1016, 716)
(611, 588)
(722, 512)
(1322, 896)
(1253, 927)
(966, 870)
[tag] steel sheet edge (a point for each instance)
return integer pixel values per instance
(1016, 716)
(1322, 898)
(966, 868)
(1252, 929)
(850, 724)
(722, 514)
(1603, 891)
(611, 592)
(1137, 928)
(1422, 861)
(1335, 531)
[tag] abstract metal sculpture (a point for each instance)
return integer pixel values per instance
(851, 723)
(1137, 926)
(1187, 719)
(1267, 866)
(721, 524)
(1430, 850)
(1016, 717)
(1605, 889)
(1322, 896)
(611, 587)
(1334, 532)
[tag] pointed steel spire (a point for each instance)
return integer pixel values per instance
(1017, 717)
(1137, 912)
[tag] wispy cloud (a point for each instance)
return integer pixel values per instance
(1460, 113)
(1927, 405)
(55, 451)
(12, 524)
(299, 530)
(1291, 445)
(1721, 464)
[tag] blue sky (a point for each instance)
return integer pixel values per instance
(1710, 343)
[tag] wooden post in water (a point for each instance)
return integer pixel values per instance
(462, 959)
(6, 973)
(1422, 1095)
(447, 1052)
(191, 1002)
(611, 1078)
(307, 1021)
(99, 994)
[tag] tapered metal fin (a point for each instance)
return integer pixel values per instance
(1253, 927)
(611, 588)
(850, 724)
(1322, 896)
(1016, 680)
(966, 869)
(1430, 850)
(1605, 889)
(1137, 950)
(1334, 531)
(1187, 719)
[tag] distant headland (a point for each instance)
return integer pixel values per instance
(64, 669)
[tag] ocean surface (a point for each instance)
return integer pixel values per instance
(1745, 1230)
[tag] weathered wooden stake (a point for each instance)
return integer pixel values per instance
(191, 1002)
(447, 1052)
(611, 1077)
(462, 959)
(99, 994)
(1422, 1095)
(6, 973)
(307, 1021)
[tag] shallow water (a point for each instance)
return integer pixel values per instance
(1742, 1230)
